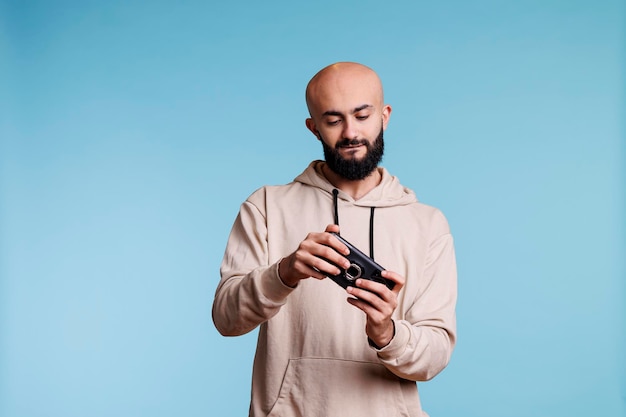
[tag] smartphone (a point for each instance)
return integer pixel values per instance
(361, 266)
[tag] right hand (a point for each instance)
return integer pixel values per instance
(316, 257)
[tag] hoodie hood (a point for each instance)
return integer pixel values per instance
(388, 193)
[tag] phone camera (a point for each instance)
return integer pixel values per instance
(353, 272)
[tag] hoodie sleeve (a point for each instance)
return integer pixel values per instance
(250, 291)
(426, 335)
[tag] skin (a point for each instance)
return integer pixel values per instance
(345, 100)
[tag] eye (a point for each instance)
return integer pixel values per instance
(362, 116)
(333, 122)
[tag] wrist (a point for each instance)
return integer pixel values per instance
(282, 273)
(384, 340)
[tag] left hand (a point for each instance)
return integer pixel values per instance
(378, 302)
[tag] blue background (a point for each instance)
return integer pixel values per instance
(131, 132)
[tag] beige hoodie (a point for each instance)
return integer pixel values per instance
(313, 356)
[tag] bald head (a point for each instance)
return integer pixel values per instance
(348, 115)
(341, 83)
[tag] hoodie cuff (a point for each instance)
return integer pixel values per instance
(273, 287)
(398, 344)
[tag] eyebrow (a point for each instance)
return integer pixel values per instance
(338, 113)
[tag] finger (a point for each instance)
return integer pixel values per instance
(324, 266)
(332, 228)
(321, 248)
(328, 239)
(395, 277)
(331, 240)
(372, 313)
(369, 297)
(312, 271)
(301, 268)
(377, 288)
(326, 246)
(362, 305)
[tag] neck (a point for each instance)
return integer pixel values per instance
(354, 188)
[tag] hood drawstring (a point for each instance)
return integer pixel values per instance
(335, 193)
(372, 232)
(336, 206)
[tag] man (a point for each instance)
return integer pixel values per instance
(319, 354)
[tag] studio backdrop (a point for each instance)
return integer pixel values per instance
(130, 133)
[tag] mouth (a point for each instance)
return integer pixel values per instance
(351, 144)
(352, 151)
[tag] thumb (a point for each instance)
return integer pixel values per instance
(332, 228)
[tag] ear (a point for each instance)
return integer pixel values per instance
(310, 124)
(386, 115)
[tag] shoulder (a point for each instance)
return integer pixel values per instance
(429, 217)
(426, 213)
(262, 195)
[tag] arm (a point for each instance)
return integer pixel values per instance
(252, 291)
(418, 345)
(424, 340)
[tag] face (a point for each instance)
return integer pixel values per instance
(348, 116)
(352, 140)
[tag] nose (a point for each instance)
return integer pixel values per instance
(350, 130)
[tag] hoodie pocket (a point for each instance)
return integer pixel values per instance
(332, 387)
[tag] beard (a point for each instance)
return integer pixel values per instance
(355, 169)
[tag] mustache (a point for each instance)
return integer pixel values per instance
(351, 142)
